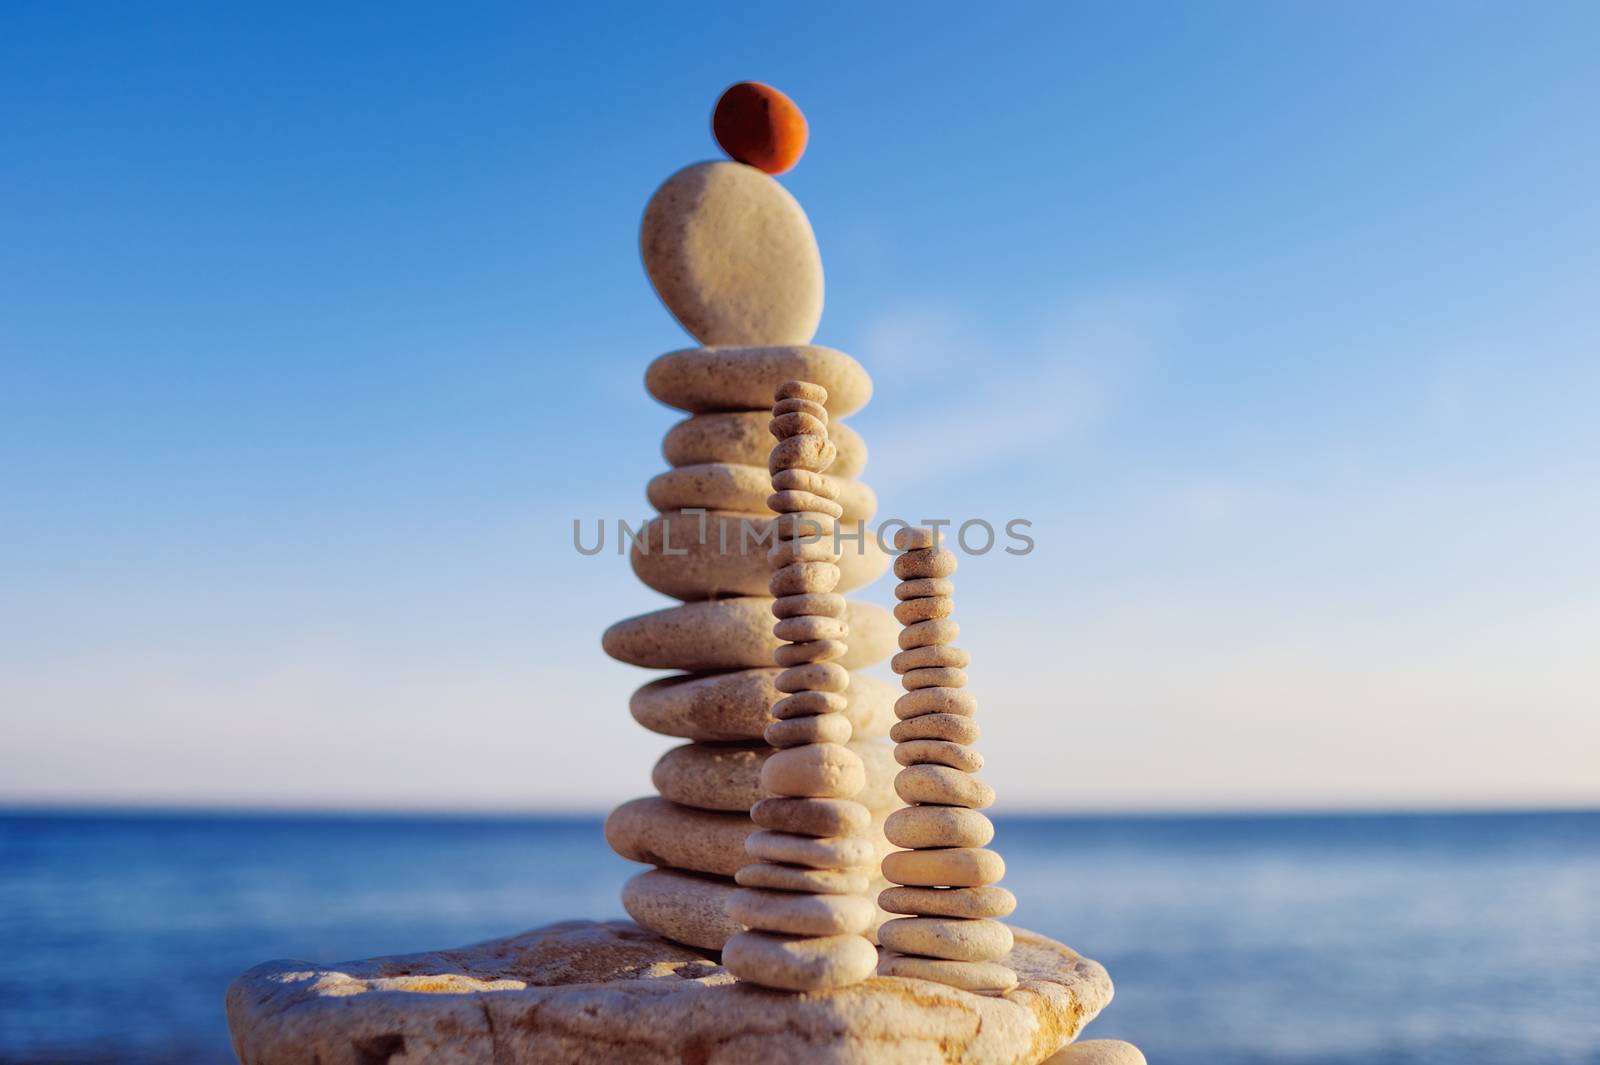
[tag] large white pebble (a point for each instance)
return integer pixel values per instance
(732, 255)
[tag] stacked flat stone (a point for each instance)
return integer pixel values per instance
(733, 257)
(804, 895)
(948, 880)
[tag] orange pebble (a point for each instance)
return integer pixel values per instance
(758, 125)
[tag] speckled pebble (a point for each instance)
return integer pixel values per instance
(700, 380)
(732, 255)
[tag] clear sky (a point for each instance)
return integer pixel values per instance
(320, 323)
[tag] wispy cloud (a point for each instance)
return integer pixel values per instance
(988, 391)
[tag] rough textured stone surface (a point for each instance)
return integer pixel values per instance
(699, 380)
(582, 993)
(731, 254)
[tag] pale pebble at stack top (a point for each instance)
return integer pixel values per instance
(733, 257)
(803, 897)
(948, 878)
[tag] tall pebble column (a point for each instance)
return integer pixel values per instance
(947, 877)
(804, 895)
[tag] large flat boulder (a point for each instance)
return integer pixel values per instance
(587, 993)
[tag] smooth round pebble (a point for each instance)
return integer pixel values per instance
(803, 915)
(734, 633)
(911, 611)
(803, 578)
(717, 706)
(816, 677)
(805, 481)
(799, 405)
(951, 727)
(934, 656)
(810, 627)
(714, 486)
(720, 778)
(805, 549)
(804, 422)
(756, 124)
(951, 938)
(711, 778)
(923, 633)
(724, 553)
(781, 877)
(936, 701)
(733, 257)
(793, 500)
(925, 563)
(988, 901)
(942, 785)
(925, 588)
(685, 907)
(810, 703)
(813, 817)
(915, 538)
(937, 752)
(706, 379)
(828, 852)
(821, 604)
(657, 832)
(977, 976)
(933, 677)
(798, 654)
(954, 867)
(792, 964)
(811, 393)
(721, 634)
(806, 452)
(741, 438)
(818, 770)
(800, 731)
(938, 826)
(740, 704)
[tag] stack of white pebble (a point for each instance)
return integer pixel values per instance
(804, 897)
(947, 876)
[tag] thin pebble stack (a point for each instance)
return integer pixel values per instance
(802, 897)
(947, 876)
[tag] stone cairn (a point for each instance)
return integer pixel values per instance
(732, 256)
(771, 823)
(948, 879)
(804, 895)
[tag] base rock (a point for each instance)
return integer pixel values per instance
(587, 993)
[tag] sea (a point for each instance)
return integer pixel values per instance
(1414, 939)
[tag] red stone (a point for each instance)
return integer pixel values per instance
(758, 125)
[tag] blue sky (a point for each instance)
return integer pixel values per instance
(318, 325)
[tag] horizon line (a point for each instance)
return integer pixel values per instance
(15, 807)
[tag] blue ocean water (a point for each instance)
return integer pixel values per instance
(1295, 940)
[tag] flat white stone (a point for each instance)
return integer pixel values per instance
(584, 993)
